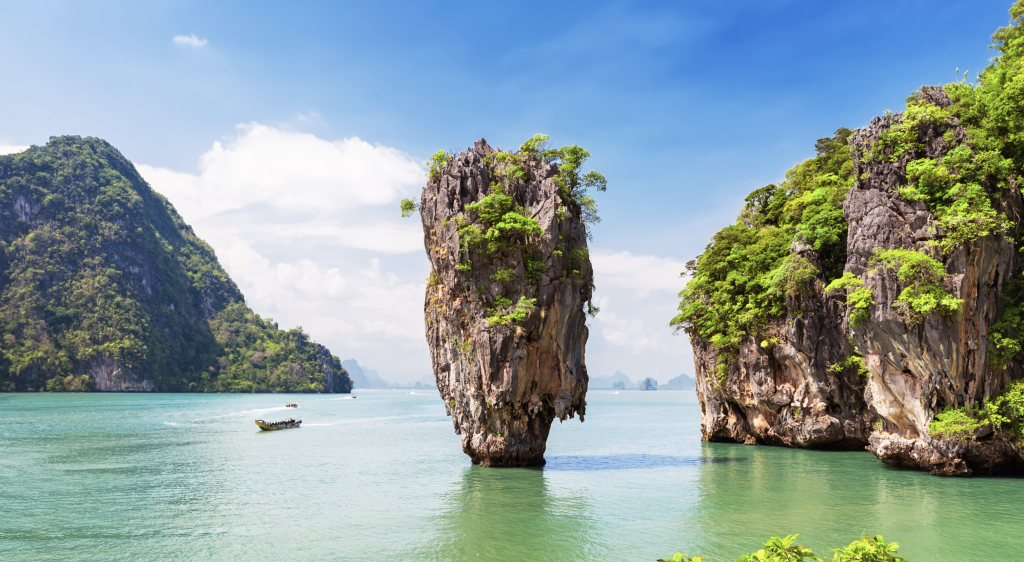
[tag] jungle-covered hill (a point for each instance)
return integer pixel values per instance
(103, 286)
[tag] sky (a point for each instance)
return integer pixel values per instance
(287, 132)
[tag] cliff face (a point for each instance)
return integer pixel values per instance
(831, 381)
(919, 368)
(786, 395)
(504, 304)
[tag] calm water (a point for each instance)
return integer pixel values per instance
(189, 477)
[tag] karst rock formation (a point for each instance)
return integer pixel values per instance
(504, 305)
(787, 394)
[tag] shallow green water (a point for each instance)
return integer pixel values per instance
(189, 477)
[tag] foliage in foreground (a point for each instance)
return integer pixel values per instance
(783, 549)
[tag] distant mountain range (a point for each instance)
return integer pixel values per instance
(365, 377)
(620, 381)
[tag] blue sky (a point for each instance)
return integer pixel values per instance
(685, 106)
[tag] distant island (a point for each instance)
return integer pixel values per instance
(619, 381)
(104, 287)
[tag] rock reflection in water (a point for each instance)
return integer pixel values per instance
(626, 462)
(515, 515)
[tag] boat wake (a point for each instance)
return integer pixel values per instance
(244, 413)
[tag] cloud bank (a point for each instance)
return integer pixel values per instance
(309, 229)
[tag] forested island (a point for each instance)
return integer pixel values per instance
(875, 297)
(103, 286)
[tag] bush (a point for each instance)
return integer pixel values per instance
(924, 276)
(782, 549)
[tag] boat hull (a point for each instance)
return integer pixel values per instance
(270, 426)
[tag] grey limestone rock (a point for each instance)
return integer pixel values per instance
(504, 383)
(786, 394)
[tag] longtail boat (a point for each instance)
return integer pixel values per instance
(291, 405)
(282, 424)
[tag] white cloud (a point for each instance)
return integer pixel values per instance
(625, 332)
(12, 149)
(642, 274)
(304, 226)
(189, 41)
(289, 171)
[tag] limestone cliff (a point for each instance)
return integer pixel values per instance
(919, 368)
(504, 315)
(821, 378)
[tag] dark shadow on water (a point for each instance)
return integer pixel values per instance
(626, 462)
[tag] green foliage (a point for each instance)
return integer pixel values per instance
(868, 549)
(795, 275)
(504, 312)
(259, 357)
(503, 276)
(534, 267)
(780, 549)
(923, 276)
(436, 162)
(783, 549)
(71, 383)
(954, 423)
(1004, 412)
(741, 281)
(505, 223)
(680, 557)
(859, 300)
(856, 361)
(98, 269)
(408, 207)
(574, 185)
(1006, 333)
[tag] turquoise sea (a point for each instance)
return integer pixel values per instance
(189, 477)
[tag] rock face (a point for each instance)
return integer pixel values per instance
(111, 376)
(788, 396)
(917, 370)
(504, 380)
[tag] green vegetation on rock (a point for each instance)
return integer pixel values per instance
(99, 274)
(1002, 414)
(741, 281)
(923, 276)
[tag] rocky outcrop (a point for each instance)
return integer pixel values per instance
(786, 391)
(111, 376)
(918, 369)
(504, 314)
(783, 392)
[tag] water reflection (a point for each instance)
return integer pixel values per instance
(515, 515)
(831, 498)
(626, 462)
